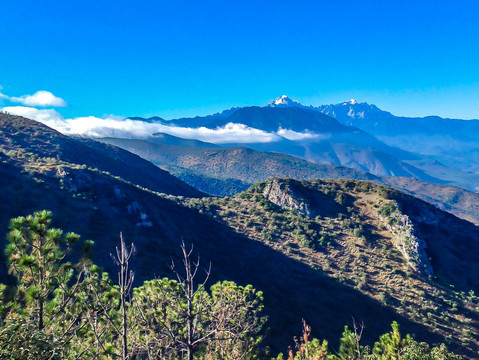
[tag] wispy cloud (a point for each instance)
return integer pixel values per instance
(41, 98)
(126, 128)
(48, 116)
(2, 96)
(295, 135)
(230, 133)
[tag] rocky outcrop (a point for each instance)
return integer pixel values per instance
(283, 195)
(405, 240)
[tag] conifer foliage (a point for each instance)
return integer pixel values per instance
(391, 346)
(35, 254)
(63, 311)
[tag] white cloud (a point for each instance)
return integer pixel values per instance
(114, 126)
(2, 96)
(294, 135)
(230, 133)
(111, 126)
(40, 98)
(49, 117)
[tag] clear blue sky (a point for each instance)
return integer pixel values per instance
(173, 58)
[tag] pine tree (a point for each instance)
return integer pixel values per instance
(349, 347)
(390, 345)
(36, 256)
(174, 319)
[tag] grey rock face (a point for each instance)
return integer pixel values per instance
(405, 240)
(284, 196)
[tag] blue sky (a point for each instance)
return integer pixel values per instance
(183, 58)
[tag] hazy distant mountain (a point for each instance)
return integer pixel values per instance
(240, 163)
(319, 138)
(307, 133)
(351, 112)
(290, 118)
(152, 119)
(197, 121)
(377, 122)
(382, 123)
(354, 134)
(453, 142)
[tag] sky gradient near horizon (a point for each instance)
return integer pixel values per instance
(186, 58)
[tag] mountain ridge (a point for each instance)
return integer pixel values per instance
(225, 171)
(452, 141)
(411, 141)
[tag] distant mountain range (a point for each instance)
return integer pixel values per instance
(453, 142)
(355, 135)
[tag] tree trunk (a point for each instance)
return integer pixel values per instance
(124, 336)
(123, 290)
(189, 354)
(189, 298)
(40, 314)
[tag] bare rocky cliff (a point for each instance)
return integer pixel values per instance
(407, 242)
(281, 194)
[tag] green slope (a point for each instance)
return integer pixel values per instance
(239, 163)
(347, 235)
(226, 171)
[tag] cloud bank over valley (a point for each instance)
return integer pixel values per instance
(120, 127)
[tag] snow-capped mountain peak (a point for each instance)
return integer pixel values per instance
(350, 102)
(284, 100)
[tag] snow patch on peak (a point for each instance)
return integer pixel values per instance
(350, 102)
(284, 100)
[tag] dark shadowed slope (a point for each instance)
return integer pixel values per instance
(31, 137)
